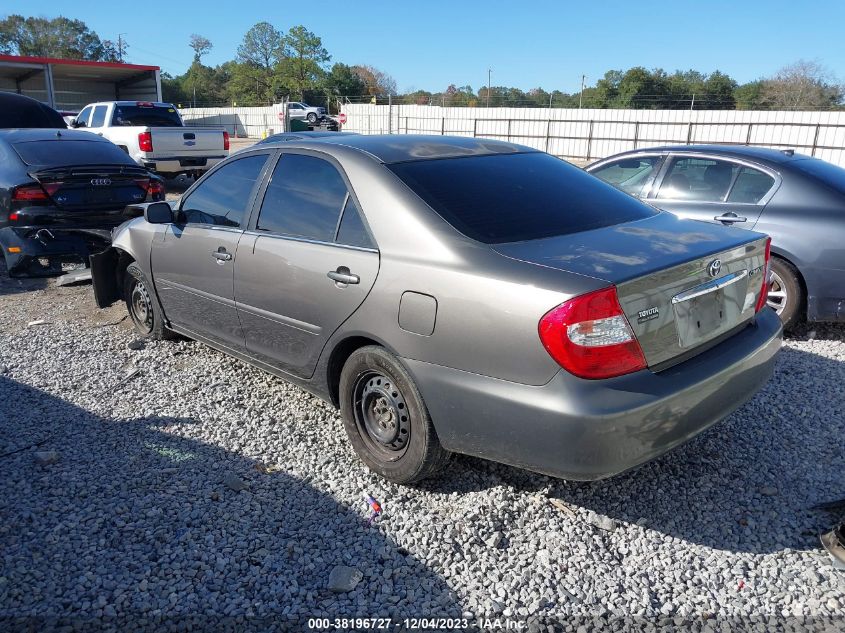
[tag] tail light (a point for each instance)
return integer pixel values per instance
(225, 140)
(29, 193)
(155, 190)
(590, 337)
(145, 142)
(764, 291)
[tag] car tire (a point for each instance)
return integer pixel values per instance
(786, 294)
(143, 306)
(312, 118)
(386, 419)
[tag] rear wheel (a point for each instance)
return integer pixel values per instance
(142, 304)
(386, 419)
(786, 296)
(312, 118)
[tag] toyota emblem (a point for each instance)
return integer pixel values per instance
(101, 182)
(714, 267)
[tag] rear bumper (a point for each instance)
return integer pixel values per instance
(583, 429)
(56, 246)
(178, 164)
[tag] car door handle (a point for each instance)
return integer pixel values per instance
(221, 255)
(343, 276)
(730, 218)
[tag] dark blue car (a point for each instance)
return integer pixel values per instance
(796, 199)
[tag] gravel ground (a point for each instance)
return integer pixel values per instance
(133, 519)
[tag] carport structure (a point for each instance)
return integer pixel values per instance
(69, 84)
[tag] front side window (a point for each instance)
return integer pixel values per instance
(304, 199)
(99, 117)
(629, 174)
(223, 198)
(698, 179)
(82, 117)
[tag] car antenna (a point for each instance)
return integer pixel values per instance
(789, 152)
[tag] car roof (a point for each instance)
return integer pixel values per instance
(737, 151)
(24, 135)
(284, 137)
(20, 111)
(397, 148)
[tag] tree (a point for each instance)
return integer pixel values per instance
(262, 46)
(305, 58)
(804, 84)
(201, 45)
(57, 37)
(749, 96)
(377, 81)
(342, 81)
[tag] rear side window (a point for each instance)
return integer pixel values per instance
(628, 174)
(59, 152)
(223, 198)
(153, 116)
(513, 197)
(351, 230)
(304, 199)
(751, 186)
(99, 116)
(698, 179)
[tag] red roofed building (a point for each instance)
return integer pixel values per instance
(69, 84)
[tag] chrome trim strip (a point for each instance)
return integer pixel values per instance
(709, 286)
(306, 240)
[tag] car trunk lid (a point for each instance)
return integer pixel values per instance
(186, 142)
(93, 187)
(681, 283)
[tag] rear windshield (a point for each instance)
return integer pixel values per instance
(828, 173)
(58, 152)
(515, 197)
(153, 116)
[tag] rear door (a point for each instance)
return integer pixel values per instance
(306, 264)
(193, 263)
(714, 189)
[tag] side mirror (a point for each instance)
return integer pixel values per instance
(75, 124)
(158, 213)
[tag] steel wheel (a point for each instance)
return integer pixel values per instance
(141, 307)
(381, 415)
(778, 299)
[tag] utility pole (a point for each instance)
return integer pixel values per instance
(692, 105)
(581, 97)
(489, 72)
(120, 47)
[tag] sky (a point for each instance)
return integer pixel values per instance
(429, 45)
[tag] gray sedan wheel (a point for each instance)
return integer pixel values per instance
(386, 420)
(786, 296)
(143, 306)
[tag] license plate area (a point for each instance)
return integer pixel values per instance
(708, 310)
(99, 196)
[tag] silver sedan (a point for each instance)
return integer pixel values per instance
(456, 295)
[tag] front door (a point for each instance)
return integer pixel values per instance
(305, 266)
(713, 190)
(193, 264)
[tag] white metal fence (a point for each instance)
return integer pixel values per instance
(239, 122)
(587, 135)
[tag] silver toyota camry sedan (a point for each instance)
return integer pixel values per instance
(457, 295)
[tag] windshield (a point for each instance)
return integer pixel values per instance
(152, 116)
(515, 197)
(60, 152)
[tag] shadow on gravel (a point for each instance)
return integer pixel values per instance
(748, 484)
(10, 286)
(134, 520)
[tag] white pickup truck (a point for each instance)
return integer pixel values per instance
(154, 135)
